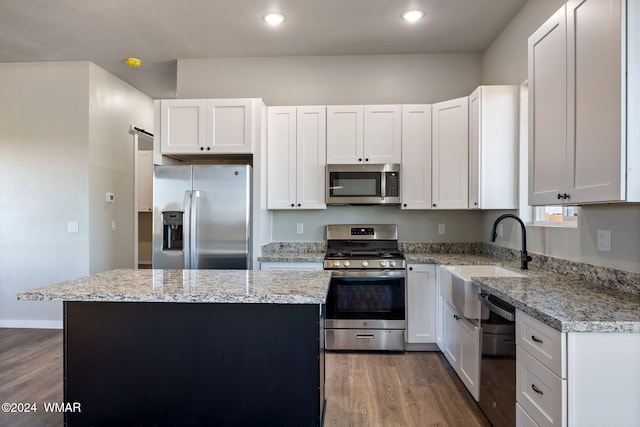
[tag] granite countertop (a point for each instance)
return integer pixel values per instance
(293, 257)
(199, 286)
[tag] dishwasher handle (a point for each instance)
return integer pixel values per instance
(506, 314)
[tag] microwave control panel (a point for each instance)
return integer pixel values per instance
(392, 184)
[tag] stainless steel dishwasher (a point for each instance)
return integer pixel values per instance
(498, 363)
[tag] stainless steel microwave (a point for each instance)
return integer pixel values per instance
(374, 184)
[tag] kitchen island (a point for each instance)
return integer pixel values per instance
(193, 347)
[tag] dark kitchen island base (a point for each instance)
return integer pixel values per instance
(186, 364)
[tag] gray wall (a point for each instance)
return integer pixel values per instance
(64, 140)
(324, 80)
(332, 80)
(505, 61)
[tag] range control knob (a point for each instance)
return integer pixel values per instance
(365, 263)
(336, 263)
(394, 263)
(347, 263)
(383, 264)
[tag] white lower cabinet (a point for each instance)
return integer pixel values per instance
(421, 304)
(523, 419)
(291, 266)
(461, 347)
(573, 379)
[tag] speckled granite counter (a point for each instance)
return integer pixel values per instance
(208, 286)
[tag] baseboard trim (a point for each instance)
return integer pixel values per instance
(31, 324)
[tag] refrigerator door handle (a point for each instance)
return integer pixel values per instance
(187, 230)
(195, 195)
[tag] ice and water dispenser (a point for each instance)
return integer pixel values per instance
(172, 227)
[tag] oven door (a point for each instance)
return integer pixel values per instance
(366, 300)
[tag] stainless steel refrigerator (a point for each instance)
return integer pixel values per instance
(202, 217)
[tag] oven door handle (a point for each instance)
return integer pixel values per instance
(392, 274)
(497, 310)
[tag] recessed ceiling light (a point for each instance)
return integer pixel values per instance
(413, 15)
(273, 18)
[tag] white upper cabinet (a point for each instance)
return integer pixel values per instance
(415, 177)
(582, 143)
(359, 134)
(450, 151)
(296, 157)
(493, 147)
(200, 126)
(382, 133)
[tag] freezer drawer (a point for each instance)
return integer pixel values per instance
(364, 339)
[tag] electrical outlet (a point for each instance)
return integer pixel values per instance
(499, 230)
(113, 225)
(441, 229)
(604, 240)
(300, 228)
(72, 227)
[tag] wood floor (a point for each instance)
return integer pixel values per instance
(362, 389)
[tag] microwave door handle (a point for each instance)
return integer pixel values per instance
(383, 185)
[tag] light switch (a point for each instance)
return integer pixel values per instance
(113, 225)
(441, 228)
(72, 227)
(604, 240)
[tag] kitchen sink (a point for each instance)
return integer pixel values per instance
(463, 294)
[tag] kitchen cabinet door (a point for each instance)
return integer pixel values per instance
(451, 335)
(345, 127)
(183, 124)
(493, 147)
(469, 359)
(145, 181)
(595, 143)
(421, 303)
(415, 177)
(382, 134)
(547, 111)
(281, 157)
(229, 126)
(296, 162)
(311, 157)
(450, 154)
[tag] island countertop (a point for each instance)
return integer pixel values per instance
(193, 286)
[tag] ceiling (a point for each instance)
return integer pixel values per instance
(161, 31)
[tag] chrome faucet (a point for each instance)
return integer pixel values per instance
(524, 256)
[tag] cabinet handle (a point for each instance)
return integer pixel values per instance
(293, 205)
(410, 268)
(405, 205)
(537, 390)
(559, 196)
(208, 148)
(566, 196)
(360, 159)
(434, 205)
(536, 339)
(366, 160)
(201, 148)
(299, 205)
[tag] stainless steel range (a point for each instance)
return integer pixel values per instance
(366, 302)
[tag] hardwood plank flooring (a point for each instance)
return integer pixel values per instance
(396, 389)
(362, 389)
(31, 372)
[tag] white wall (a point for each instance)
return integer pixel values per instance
(505, 61)
(51, 116)
(332, 80)
(114, 106)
